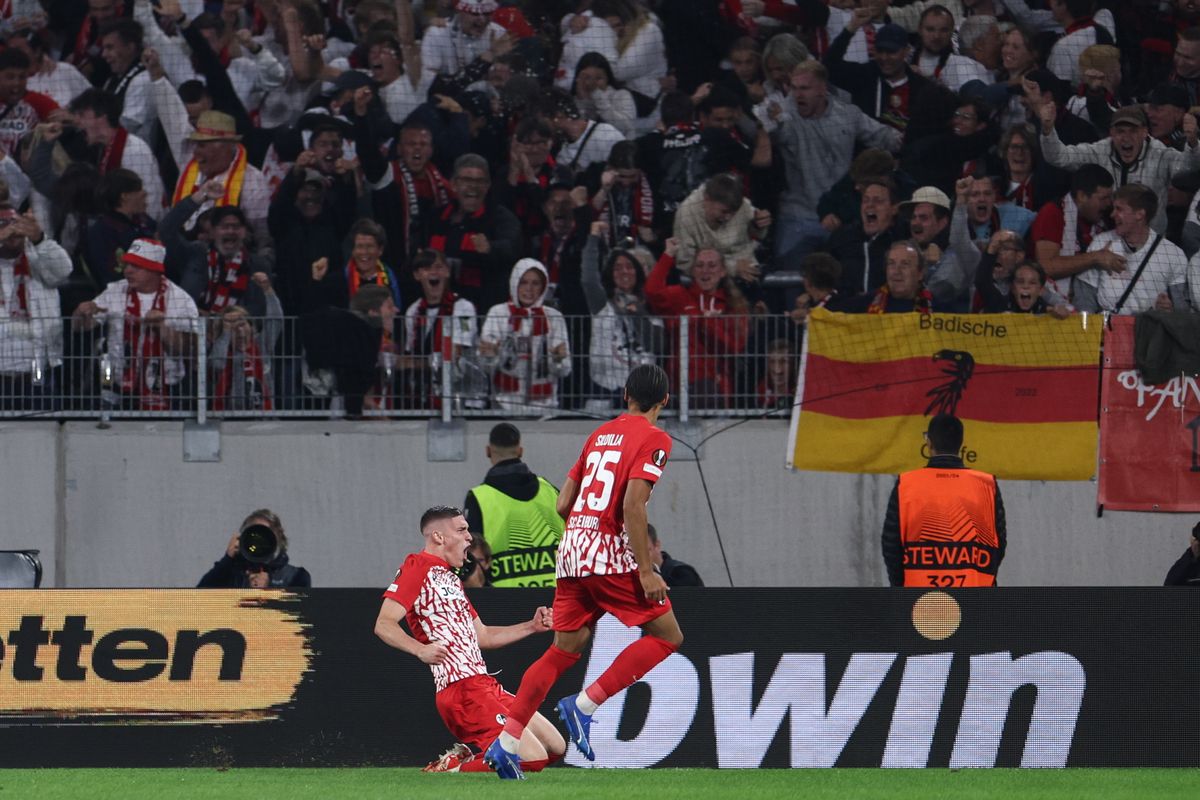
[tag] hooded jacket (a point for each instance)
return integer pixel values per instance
(525, 372)
(1154, 166)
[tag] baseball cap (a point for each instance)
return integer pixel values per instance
(928, 194)
(147, 254)
(891, 38)
(1169, 94)
(1129, 115)
(350, 80)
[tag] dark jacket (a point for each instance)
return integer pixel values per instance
(929, 106)
(108, 233)
(938, 159)
(482, 278)
(844, 201)
(1185, 571)
(1166, 343)
(1075, 130)
(299, 242)
(230, 573)
(893, 546)
(846, 245)
(511, 477)
(677, 573)
(989, 296)
(191, 259)
(347, 344)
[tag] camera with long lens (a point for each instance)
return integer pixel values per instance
(258, 544)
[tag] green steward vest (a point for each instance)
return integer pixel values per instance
(523, 535)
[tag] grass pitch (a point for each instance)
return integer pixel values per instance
(560, 783)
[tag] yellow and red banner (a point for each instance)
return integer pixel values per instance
(1149, 435)
(1024, 386)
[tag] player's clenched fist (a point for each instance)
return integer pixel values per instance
(543, 619)
(433, 653)
(654, 586)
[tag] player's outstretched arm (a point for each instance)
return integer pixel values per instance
(637, 494)
(492, 637)
(566, 497)
(387, 627)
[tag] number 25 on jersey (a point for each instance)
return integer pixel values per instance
(598, 481)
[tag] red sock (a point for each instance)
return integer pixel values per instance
(476, 764)
(629, 666)
(535, 685)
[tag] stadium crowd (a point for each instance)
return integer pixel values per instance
(531, 195)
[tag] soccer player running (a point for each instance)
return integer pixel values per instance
(448, 635)
(604, 566)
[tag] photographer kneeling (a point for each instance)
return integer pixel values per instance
(256, 558)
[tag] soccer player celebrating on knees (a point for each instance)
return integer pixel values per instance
(447, 634)
(604, 566)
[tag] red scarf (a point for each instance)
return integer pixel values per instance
(227, 281)
(517, 314)
(21, 276)
(411, 197)
(533, 216)
(1023, 195)
(643, 210)
(444, 309)
(114, 152)
(941, 62)
(879, 302)
(253, 374)
(144, 352)
(1080, 24)
(82, 40)
(550, 252)
(507, 383)
(734, 13)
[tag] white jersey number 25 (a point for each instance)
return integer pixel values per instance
(598, 481)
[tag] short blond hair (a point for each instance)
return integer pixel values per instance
(811, 67)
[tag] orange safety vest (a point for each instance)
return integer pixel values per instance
(948, 527)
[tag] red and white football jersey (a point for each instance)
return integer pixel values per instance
(595, 541)
(437, 610)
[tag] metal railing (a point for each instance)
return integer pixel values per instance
(332, 365)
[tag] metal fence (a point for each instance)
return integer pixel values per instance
(336, 364)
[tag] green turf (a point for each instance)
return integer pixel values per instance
(693, 784)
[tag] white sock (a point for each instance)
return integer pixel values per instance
(585, 704)
(509, 742)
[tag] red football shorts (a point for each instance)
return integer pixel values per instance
(474, 709)
(579, 602)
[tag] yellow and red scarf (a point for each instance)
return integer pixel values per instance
(233, 184)
(355, 280)
(879, 303)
